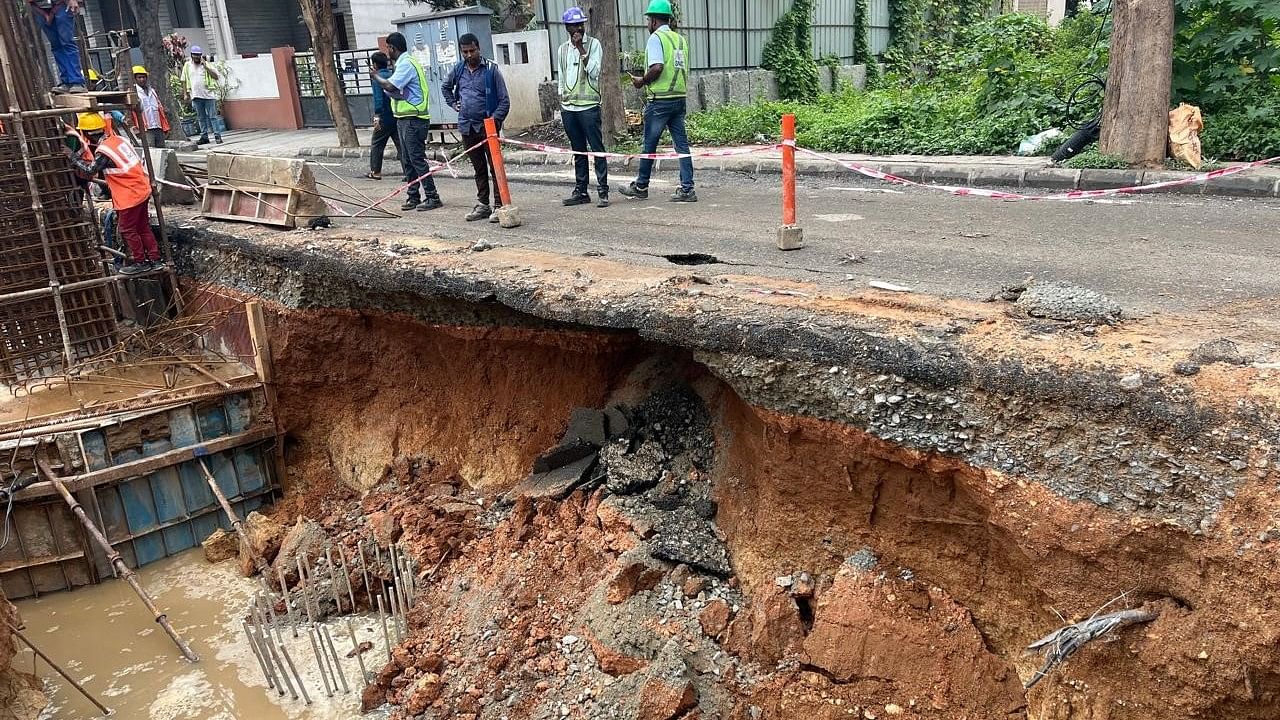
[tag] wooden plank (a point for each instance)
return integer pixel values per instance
(92, 100)
(147, 465)
(258, 336)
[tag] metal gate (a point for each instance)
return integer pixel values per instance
(352, 66)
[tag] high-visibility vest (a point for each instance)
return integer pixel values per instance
(421, 109)
(138, 117)
(130, 186)
(672, 83)
(580, 92)
(209, 82)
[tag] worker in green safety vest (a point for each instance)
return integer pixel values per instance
(665, 81)
(580, 59)
(410, 96)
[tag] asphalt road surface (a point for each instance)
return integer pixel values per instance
(1172, 252)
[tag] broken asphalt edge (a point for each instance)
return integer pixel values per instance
(960, 174)
(1165, 452)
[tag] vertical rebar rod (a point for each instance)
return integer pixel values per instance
(116, 561)
(273, 681)
(346, 575)
(328, 639)
(305, 586)
(253, 646)
(302, 688)
(277, 668)
(320, 662)
(355, 648)
(333, 581)
(364, 570)
(288, 607)
(386, 636)
(275, 656)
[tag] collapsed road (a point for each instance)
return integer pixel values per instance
(826, 501)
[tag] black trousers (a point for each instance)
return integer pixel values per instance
(583, 129)
(483, 168)
(387, 130)
(414, 133)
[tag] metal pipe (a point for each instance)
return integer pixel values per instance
(116, 561)
(105, 710)
(320, 662)
(236, 524)
(70, 287)
(328, 639)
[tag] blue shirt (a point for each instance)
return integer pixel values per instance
(471, 89)
(405, 78)
(380, 104)
(653, 48)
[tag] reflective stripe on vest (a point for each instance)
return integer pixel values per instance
(128, 180)
(672, 83)
(580, 93)
(405, 109)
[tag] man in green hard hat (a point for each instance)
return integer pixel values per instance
(666, 82)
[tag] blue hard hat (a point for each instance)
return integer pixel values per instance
(574, 16)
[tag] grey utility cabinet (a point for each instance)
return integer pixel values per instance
(433, 39)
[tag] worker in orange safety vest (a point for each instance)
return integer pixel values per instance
(130, 187)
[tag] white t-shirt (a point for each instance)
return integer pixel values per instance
(197, 87)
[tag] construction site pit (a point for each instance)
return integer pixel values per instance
(506, 486)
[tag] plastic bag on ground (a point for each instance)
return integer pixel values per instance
(1033, 144)
(1185, 124)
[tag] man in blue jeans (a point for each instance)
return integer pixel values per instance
(667, 83)
(200, 85)
(58, 20)
(410, 92)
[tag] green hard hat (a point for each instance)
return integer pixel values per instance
(659, 7)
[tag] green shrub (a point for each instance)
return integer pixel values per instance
(1093, 159)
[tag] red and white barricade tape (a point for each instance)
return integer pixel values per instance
(725, 152)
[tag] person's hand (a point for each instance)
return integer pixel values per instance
(377, 124)
(373, 71)
(637, 82)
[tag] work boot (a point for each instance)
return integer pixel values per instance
(577, 198)
(634, 191)
(604, 202)
(217, 139)
(409, 204)
(134, 268)
(685, 196)
(155, 265)
(77, 89)
(480, 212)
(432, 203)
(60, 89)
(202, 140)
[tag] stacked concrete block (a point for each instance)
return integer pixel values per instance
(855, 75)
(694, 102)
(738, 87)
(714, 91)
(764, 85)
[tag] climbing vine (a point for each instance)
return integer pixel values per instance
(862, 54)
(789, 53)
(906, 29)
(913, 24)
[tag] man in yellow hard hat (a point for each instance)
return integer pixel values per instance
(154, 121)
(666, 83)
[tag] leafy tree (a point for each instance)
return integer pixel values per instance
(1226, 50)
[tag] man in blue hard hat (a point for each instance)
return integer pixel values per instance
(579, 59)
(666, 81)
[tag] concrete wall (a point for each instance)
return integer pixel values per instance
(374, 19)
(525, 59)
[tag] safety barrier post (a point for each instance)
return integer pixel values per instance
(508, 214)
(790, 235)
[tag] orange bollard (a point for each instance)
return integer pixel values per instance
(790, 236)
(495, 157)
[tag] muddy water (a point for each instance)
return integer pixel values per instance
(105, 639)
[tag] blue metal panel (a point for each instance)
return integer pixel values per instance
(182, 428)
(139, 507)
(115, 525)
(239, 413)
(204, 525)
(149, 549)
(95, 449)
(249, 470)
(212, 421)
(224, 472)
(195, 488)
(167, 489)
(178, 538)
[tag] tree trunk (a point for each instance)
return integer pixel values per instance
(604, 25)
(318, 16)
(1135, 114)
(156, 59)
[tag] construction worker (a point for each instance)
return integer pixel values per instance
(410, 95)
(666, 81)
(477, 91)
(154, 121)
(200, 85)
(130, 187)
(58, 20)
(385, 127)
(580, 58)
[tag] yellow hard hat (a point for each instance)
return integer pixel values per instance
(139, 70)
(90, 122)
(93, 74)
